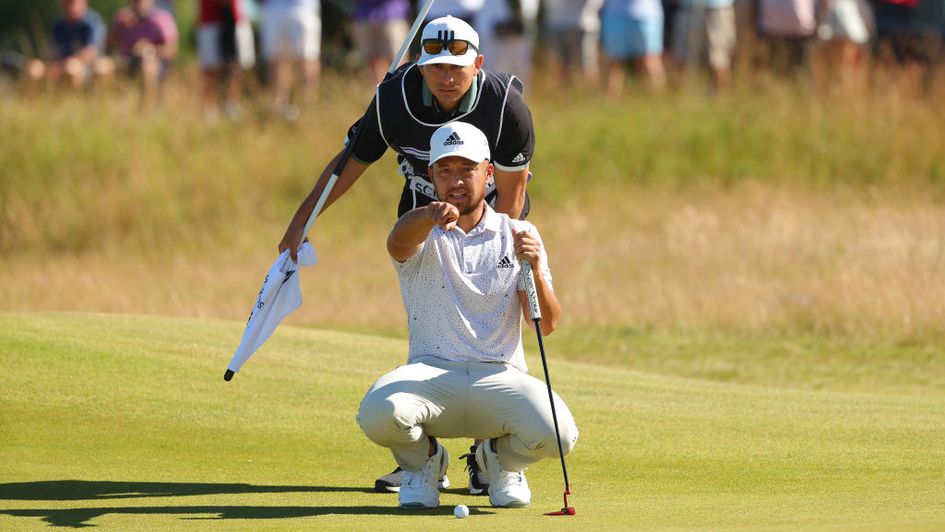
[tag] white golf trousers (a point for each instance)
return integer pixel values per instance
(447, 399)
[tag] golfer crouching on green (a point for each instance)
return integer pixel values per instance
(458, 265)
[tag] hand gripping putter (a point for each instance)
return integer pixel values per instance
(529, 279)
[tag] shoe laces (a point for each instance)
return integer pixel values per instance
(472, 466)
(426, 474)
(511, 477)
(419, 479)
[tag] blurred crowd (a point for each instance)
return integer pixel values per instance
(585, 43)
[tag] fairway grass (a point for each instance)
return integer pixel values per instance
(125, 422)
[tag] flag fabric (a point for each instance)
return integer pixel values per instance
(280, 294)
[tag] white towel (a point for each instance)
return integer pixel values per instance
(279, 296)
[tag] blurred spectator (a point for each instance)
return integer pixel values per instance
(167, 5)
(573, 32)
(900, 34)
(746, 31)
(787, 29)
(291, 34)
(705, 29)
(78, 41)
(632, 30)
(145, 37)
(464, 9)
(844, 33)
(507, 35)
(225, 46)
(670, 7)
(380, 27)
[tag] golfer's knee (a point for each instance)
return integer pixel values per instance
(569, 437)
(541, 444)
(567, 431)
(381, 420)
(375, 416)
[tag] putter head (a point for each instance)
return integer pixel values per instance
(228, 375)
(567, 510)
(564, 511)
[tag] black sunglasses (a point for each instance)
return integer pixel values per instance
(455, 46)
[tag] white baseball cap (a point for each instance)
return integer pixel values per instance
(459, 139)
(446, 29)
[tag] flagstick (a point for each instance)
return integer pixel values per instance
(349, 147)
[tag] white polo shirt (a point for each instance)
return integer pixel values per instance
(460, 292)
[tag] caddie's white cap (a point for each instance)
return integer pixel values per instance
(459, 139)
(446, 29)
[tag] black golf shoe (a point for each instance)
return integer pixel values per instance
(478, 483)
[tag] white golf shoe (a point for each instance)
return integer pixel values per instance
(507, 489)
(391, 482)
(419, 489)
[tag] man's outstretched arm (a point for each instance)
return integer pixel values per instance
(414, 227)
(351, 172)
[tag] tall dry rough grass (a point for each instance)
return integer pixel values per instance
(769, 209)
(758, 256)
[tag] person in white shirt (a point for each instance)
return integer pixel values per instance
(572, 28)
(706, 29)
(290, 36)
(844, 34)
(458, 263)
(508, 29)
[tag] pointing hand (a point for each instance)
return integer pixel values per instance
(443, 214)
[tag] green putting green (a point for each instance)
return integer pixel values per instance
(126, 422)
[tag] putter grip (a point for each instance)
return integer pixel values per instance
(528, 278)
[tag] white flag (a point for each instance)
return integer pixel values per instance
(279, 296)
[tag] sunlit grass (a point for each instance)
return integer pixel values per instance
(772, 212)
(125, 422)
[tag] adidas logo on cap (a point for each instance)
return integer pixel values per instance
(453, 140)
(459, 139)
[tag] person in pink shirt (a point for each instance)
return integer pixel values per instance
(146, 39)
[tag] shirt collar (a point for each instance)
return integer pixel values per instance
(464, 106)
(491, 221)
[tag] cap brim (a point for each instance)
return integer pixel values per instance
(454, 154)
(447, 58)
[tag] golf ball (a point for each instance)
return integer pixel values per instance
(461, 511)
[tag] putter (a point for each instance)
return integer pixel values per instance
(349, 147)
(529, 279)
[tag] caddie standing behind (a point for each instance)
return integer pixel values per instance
(458, 263)
(446, 84)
